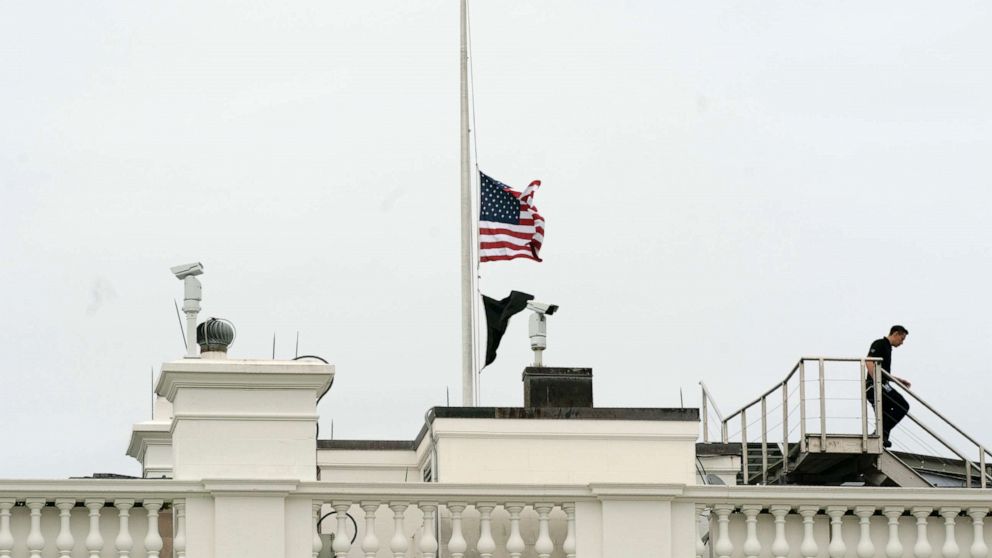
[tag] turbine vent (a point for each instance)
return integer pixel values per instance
(214, 336)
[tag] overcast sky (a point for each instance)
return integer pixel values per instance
(727, 186)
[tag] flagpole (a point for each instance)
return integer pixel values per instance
(468, 265)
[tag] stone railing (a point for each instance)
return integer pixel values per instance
(753, 521)
(93, 518)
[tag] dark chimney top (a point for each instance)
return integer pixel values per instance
(557, 387)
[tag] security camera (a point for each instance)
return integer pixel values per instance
(542, 308)
(187, 270)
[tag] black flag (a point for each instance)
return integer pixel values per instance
(498, 314)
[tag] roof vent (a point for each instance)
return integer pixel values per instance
(215, 336)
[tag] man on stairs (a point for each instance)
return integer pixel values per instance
(894, 405)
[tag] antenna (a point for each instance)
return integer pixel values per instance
(332, 429)
(297, 353)
(151, 380)
(447, 396)
(182, 333)
(681, 399)
(273, 345)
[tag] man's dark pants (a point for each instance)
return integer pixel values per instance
(894, 407)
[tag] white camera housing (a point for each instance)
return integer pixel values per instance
(187, 270)
(542, 307)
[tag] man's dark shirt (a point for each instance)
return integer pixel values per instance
(882, 348)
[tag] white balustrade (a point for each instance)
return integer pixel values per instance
(723, 545)
(893, 548)
(179, 543)
(317, 545)
(515, 544)
(837, 547)
(752, 547)
(568, 546)
(808, 548)
(979, 549)
(543, 546)
(370, 543)
(6, 537)
(342, 543)
(124, 541)
(865, 548)
(701, 515)
(398, 543)
(35, 541)
(428, 543)
(922, 548)
(456, 544)
(153, 539)
(65, 541)
(486, 545)
(94, 540)
(950, 548)
(780, 546)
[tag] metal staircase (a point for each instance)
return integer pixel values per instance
(822, 448)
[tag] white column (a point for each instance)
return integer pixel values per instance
(487, 545)
(179, 516)
(808, 548)
(922, 548)
(428, 542)
(153, 540)
(893, 548)
(124, 543)
(342, 542)
(64, 541)
(978, 547)
(723, 546)
(36, 541)
(569, 545)
(94, 540)
(543, 546)
(456, 544)
(752, 547)
(700, 546)
(950, 548)
(318, 544)
(6, 537)
(370, 543)
(515, 543)
(398, 543)
(837, 547)
(866, 549)
(780, 546)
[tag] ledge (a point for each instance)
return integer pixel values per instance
(244, 374)
(371, 445)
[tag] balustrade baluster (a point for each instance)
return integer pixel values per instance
(64, 540)
(978, 547)
(922, 548)
(569, 545)
(866, 549)
(398, 544)
(342, 542)
(428, 542)
(179, 515)
(124, 543)
(487, 545)
(370, 543)
(457, 544)
(723, 546)
(780, 546)
(317, 545)
(6, 537)
(701, 516)
(515, 543)
(544, 546)
(94, 540)
(36, 541)
(950, 548)
(752, 547)
(153, 540)
(808, 548)
(893, 548)
(837, 547)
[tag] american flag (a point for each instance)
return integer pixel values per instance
(509, 225)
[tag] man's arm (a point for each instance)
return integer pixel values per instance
(870, 365)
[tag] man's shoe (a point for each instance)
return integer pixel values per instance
(886, 444)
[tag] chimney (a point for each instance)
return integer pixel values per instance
(214, 336)
(557, 387)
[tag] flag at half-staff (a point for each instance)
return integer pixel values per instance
(509, 225)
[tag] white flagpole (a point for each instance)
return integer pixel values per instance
(468, 265)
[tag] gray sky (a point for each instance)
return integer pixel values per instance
(727, 186)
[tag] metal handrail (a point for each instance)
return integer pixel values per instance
(708, 400)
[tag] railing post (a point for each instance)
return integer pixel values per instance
(744, 450)
(706, 416)
(153, 539)
(802, 406)
(568, 546)
(878, 398)
(981, 463)
(864, 406)
(823, 407)
(6, 537)
(764, 441)
(785, 427)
